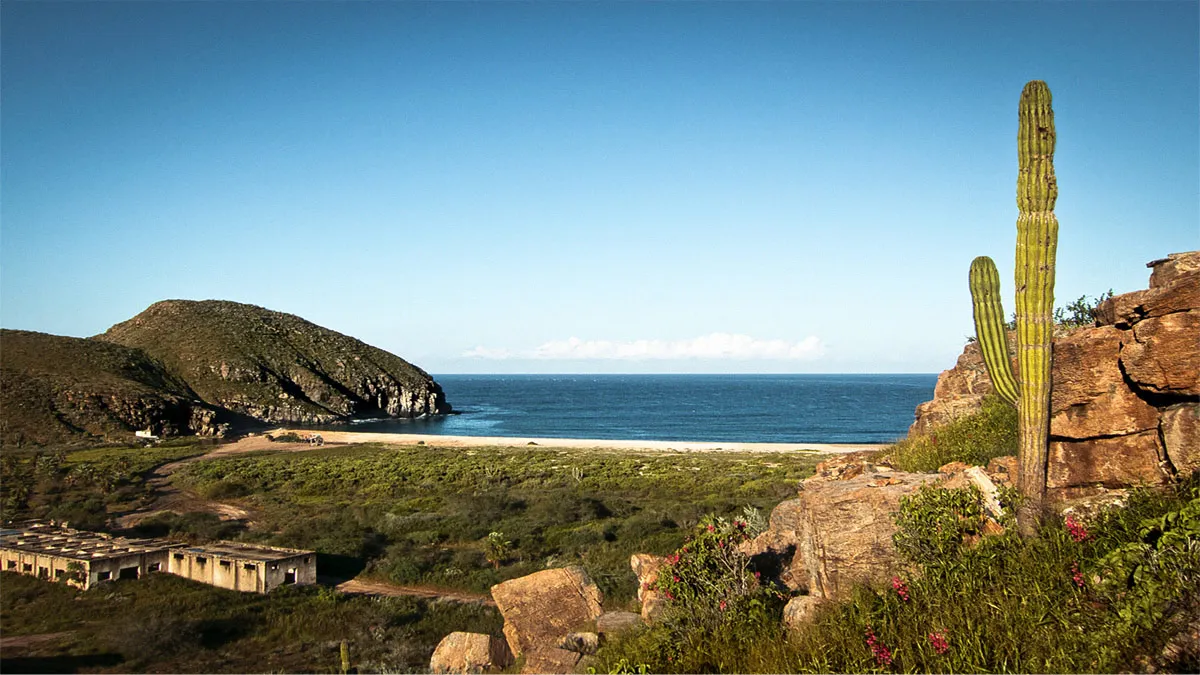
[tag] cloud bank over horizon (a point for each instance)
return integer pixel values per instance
(714, 346)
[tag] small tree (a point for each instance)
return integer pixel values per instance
(496, 548)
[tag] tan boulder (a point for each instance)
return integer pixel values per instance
(776, 547)
(1178, 293)
(1090, 397)
(1108, 462)
(1179, 426)
(1003, 470)
(461, 652)
(551, 660)
(542, 608)
(843, 530)
(1164, 355)
(1167, 270)
(646, 567)
(959, 392)
(800, 610)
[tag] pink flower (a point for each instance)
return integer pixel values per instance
(1075, 529)
(668, 595)
(1076, 575)
(675, 578)
(711, 528)
(901, 588)
(757, 574)
(941, 644)
(721, 605)
(883, 655)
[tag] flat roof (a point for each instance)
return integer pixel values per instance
(77, 544)
(240, 551)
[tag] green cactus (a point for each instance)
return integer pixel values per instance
(1037, 242)
(989, 327)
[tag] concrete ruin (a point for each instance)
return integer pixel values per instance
(84, 559)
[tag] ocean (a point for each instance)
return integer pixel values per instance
(734, 408)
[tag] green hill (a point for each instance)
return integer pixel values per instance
(276, 367)
(63, 390)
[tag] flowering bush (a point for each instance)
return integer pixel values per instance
(939, 641)
(901, 588)
(1075, 530)
(883, 655)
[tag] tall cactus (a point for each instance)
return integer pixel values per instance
(1037, 242)
(989, 327)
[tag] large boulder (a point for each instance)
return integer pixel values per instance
(840, 531)
(551, 660)
(461, 652)
(542, 608)
(1090, 397)
(958, 392)
(612, 623)
(646, 567)
(1167, 270)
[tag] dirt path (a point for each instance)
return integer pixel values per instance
(169, 498)
(25, 641)
(372, 587)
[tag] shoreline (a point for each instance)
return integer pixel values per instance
(437, 440)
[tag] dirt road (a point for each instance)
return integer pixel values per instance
(373, 587)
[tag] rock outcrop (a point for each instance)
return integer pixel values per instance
(1124, 397)
(645, 568)
(541, 610)
(276, 367)
(470, 653)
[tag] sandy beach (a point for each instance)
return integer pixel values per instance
(349, 437)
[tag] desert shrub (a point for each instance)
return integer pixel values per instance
(974, 439)
(932, 524)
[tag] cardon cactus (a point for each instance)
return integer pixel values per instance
(1037, 242)
(989, 327)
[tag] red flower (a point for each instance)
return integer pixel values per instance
(1075, 529)
(901, 588)
(883, 655)
(721, 605)
(1076, 575)
(711, 528)
(940, 643)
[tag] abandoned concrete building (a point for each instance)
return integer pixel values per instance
(84, 559)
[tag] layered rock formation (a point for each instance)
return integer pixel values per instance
(59, 390)
(541, 610)
(276, 367)
(1124, 404)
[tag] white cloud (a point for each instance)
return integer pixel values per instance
(715, 346)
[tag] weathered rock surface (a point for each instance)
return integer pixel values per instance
(840, 531)
(1109, 462)
(611, 623)
(542, 608)
(1167, 270)
(551, 660)
(276, 367)
(959, 392)
(1090, 397)
(1180, 430)
(646, 567)
(461, 652)
(1164, 355)
(800, 610)
(582, 642)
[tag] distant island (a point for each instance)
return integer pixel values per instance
(199, 367)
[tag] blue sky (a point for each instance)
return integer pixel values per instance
(584, 187)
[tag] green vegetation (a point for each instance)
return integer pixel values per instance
(61, 390)
(1105, 596)
(1080, 312)
(426, 515)
(164, 623)
(974, 439)
(82, 486)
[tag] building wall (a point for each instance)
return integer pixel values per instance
(303, 566)
(145, 563)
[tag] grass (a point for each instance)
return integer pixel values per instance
(164, 623)
(1047, 604)
(422, 515)
(974, 439)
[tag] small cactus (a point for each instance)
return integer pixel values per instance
(344, 651)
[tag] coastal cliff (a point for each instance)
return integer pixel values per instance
(277, 367)
(186, 367)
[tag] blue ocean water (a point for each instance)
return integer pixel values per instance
(735, 408)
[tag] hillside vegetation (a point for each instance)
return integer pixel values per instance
(56, 390)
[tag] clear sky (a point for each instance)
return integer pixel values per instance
(584, 187)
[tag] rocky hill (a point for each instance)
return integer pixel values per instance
(276, 367)
(62, 390)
